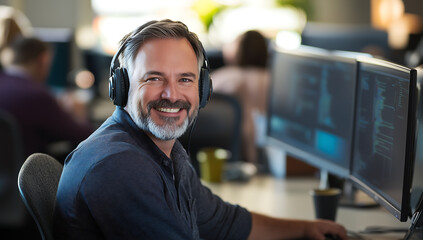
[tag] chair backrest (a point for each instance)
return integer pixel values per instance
(217, 125)
(38, 181)
(12, 209)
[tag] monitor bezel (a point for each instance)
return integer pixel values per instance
(312, 159)
(417, 186)
(403, 213)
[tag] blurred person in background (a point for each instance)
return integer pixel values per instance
(23, 94)
(13, 23)
(246, 77)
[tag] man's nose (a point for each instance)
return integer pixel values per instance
(170, 91)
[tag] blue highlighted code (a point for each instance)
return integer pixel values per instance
(330, 144)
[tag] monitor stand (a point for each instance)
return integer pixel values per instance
(351, 196)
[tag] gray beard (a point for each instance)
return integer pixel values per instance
(168, 131)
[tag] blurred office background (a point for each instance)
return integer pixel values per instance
(85, 34)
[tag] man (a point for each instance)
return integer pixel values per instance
(23, 94)
(132, 179)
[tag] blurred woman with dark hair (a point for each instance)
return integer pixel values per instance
(246, 77)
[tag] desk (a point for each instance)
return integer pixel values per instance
(289, 198)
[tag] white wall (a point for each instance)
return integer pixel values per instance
(72, 13)
(341, 11)
(54, 13)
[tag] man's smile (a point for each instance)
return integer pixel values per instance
(168, 110)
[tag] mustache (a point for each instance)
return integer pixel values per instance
(165, 103)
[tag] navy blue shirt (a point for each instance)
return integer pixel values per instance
(118, 184)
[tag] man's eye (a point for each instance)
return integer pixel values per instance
(153, 79)
(186, 80)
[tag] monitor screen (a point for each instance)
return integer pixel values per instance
(60, 40)
(384, 133)
(311, 108)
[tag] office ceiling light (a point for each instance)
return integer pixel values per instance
(135, 7)
(384, 12)
(399, 30)
(288, 40)
(398, 35)
(230, 2)
(84, 79)
(111, 29)
(231, 23)
(85, 37)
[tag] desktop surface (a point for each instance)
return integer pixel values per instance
(289, 198)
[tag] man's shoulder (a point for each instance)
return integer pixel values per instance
(109, 140)
(106, 151)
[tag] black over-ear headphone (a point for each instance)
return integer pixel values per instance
(119, 80)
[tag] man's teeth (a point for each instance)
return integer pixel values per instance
(169, 110)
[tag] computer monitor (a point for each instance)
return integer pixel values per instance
(60, 40)
(416, 193)
(311, 107)
(384, 133)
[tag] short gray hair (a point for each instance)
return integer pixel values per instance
(163, 29)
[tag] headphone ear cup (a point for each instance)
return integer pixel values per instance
(121, 87)
(112, 88)
(205, 87)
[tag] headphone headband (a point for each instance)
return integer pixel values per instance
(119, 80)
(115, 59)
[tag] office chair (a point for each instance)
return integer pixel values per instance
(12, 210)
(38, 181)
(217, 125)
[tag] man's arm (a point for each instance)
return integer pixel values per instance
(264, 227)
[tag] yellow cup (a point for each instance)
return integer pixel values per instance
(212, 161)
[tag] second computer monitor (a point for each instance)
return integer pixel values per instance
(311, 108)
(384, 135)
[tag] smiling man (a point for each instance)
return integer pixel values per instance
(164, 100)
(131, 179)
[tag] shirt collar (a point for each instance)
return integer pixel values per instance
(122, 117)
